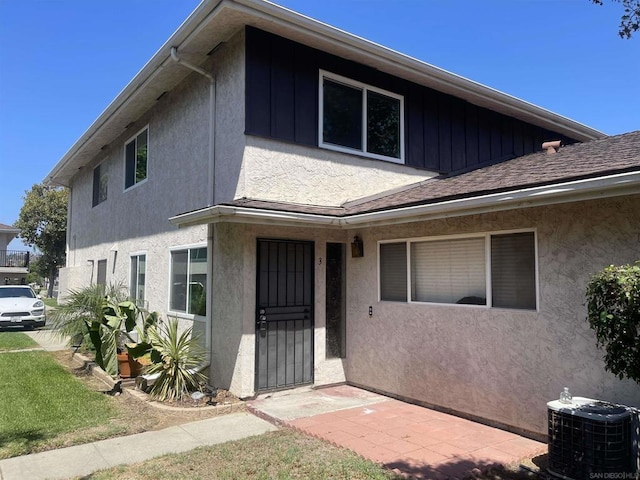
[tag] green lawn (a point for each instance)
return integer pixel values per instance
(50, 302)
(15, 341)
(40, 400)
(276, 455)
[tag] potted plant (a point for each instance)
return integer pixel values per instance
(111, 336)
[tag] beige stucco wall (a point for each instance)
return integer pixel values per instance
(137, 220)
(294, 173)
(234, 287)
(498, 364)
(5, 239)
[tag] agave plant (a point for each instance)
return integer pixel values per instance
(175, 357)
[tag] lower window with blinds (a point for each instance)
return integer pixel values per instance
(495, 270)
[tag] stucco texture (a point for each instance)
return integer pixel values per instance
(497, 364)
(136, 220)
(294, 173)
(234, 303)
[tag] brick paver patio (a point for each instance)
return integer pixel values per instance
(417, 441)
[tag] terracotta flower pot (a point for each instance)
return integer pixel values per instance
(128, 367)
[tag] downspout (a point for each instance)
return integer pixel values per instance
(212, 192)
(212, 119)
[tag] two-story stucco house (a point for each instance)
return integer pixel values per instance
(326, 210)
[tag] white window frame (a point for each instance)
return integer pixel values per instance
(487, 258)
(146, 257)
(124, 154)
(364, 87)
(188, 248)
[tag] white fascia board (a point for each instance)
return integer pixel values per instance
(232, 214)
(579, 190)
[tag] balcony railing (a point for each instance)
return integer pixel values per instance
(14, 258)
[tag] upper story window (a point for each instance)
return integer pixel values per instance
(358, 118)
(136, 159)
(100, 183)
(495, 270)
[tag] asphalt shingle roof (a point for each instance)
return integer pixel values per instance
(596, 158)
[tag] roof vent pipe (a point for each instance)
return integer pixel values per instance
(551, 147)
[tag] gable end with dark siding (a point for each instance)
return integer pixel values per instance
(442, 133)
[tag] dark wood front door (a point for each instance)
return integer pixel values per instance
(284, 314)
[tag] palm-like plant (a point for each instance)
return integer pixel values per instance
(81, 307)
(176, 357)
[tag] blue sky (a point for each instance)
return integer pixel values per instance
(63, 61)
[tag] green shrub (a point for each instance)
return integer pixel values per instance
(613, 304)
(83, 306)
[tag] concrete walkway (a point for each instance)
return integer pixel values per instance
(407, 438)
(49, 340)
(84, 459)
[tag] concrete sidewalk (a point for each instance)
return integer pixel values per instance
(84, 459)
(49, 340)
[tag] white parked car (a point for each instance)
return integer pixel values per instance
(21, 307)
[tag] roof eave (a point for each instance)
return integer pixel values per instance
(565, 192)
(433, 76)
(281, 20)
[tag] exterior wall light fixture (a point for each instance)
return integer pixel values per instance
(357, 249)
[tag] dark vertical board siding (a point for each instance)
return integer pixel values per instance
(282, 98)
(306, 96)
(442, 133)
(472, 135)
(518, 141)
(431, 131)
(496, 136)
(528, 139)
(258, 83)
(537, 141)
(506, 135)
(414, 121)
(458, 136)
(484, 136)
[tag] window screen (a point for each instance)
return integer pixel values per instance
(393, 272)
(513, 265)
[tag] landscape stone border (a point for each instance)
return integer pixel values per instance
(129, 388)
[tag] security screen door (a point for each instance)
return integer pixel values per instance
(284, 314)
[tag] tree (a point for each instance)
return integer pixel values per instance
(613, 304)
(43, 223)
(36, 271)
(630, 20)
